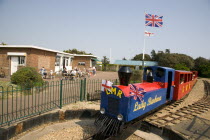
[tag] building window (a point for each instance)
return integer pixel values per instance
(81, 63)
(21, 60)
(57, 61)
(67, 61)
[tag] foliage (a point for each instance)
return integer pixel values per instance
(75, 51)
(186, 60)
(177, 61)
(140, 57)
(172, 59)
(3, 43)
(136, 75)
(27, 77)
(109, 67)
(124, 58)
(205, 71)
(167, 51)
(105, 61)
(181, 67)
(153, 55)
(199, 62)
(182, 62)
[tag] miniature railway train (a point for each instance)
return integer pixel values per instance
(121, 104)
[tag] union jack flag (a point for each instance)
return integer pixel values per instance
(137, 92)
(153, 20)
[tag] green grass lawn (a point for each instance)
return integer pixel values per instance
(5, 84)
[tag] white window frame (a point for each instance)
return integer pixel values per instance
(57, 63)
(21, 60)
(81, 63)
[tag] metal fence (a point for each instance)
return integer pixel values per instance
(18, 103)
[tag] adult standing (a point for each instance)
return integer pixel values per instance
(94, 71)
(43, 72)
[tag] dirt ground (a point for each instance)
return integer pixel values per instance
(105, 75)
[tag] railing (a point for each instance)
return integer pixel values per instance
(18, 103)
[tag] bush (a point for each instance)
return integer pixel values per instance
(205, 71)
(27, 77)
(136, 76)
(181, 67)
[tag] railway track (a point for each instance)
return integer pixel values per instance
(167, 116)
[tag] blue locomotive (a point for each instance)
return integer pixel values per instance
(123, 103)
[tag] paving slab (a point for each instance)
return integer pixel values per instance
(198, 128)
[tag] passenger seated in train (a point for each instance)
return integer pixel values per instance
(193, 77)
(181, 80)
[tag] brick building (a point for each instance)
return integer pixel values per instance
(13, 57)
(84, 61)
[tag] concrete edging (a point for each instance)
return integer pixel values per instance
(164, 131)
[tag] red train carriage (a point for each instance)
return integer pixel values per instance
(184, 81)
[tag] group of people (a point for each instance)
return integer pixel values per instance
(43, 72)
(78, 73)
(74, 73)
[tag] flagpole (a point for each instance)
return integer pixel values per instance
(144, 44)
(110, 55)
(143, 52)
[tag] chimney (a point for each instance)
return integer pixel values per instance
(124, 74)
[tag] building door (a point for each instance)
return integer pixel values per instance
(64, 62)
(14, 64)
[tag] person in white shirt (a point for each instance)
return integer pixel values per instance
(94, 71)
(73, 72)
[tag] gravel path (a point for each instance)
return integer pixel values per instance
(69, 130)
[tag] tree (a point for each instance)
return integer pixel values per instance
(167, 51)
(188, 61)
(3, 43)
(75, 51)
(200, 61)
(124, 58)
(172, 59)
(205, 70)
(139, 57)
(105, 61)
(153, 55)
(167, 60)
(181, 67)
(201, 65)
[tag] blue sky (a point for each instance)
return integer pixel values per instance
(95, 26)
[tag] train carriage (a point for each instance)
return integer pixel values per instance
(183, 83)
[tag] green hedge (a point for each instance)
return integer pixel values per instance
(136, 76)
(27, 77)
